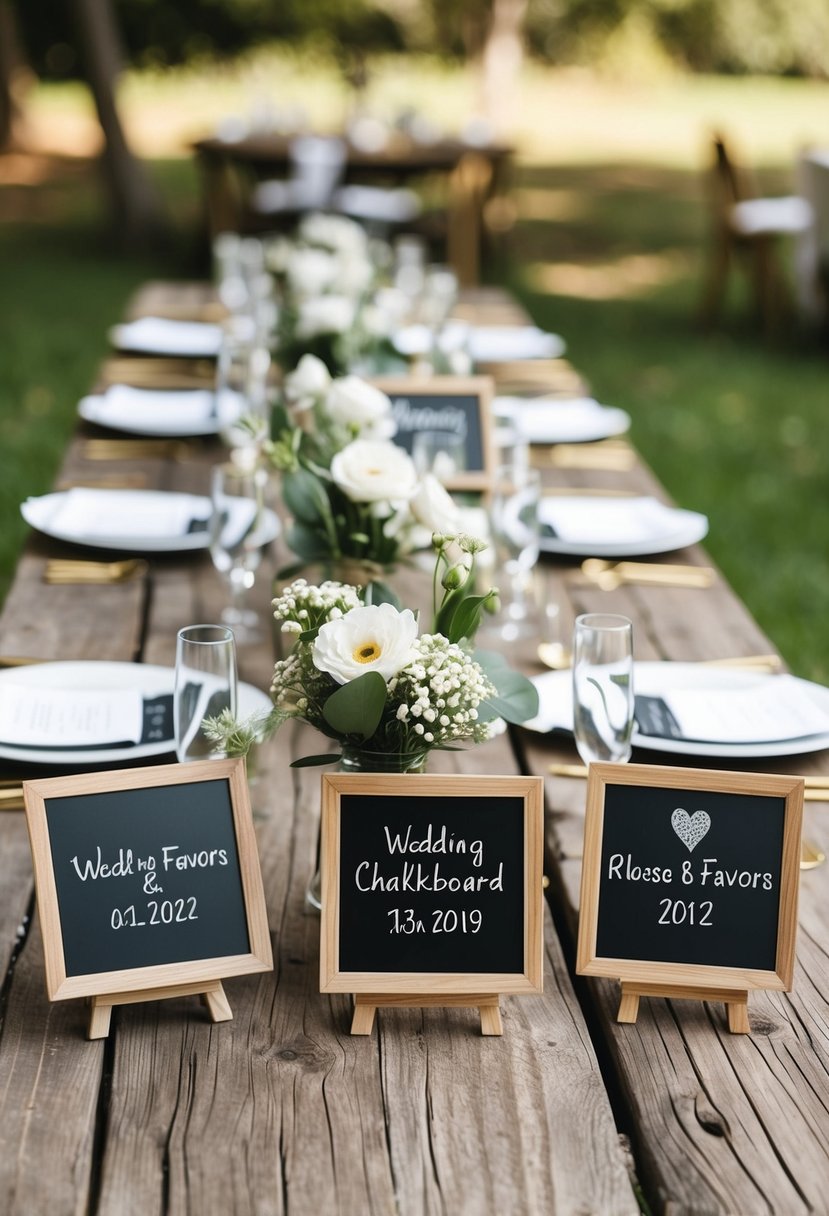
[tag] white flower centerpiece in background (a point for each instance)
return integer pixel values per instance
(364, 675)
(355, 497)
(329, 278)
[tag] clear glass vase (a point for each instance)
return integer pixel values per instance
(356, 760)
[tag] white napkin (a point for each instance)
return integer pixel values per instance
(778, 708)
(500, 343)
(125, 514)
(589, 520)
(33, 716)
(124, 405)
(552, 421)
(159, 336)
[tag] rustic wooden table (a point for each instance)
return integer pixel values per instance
(280, 1110)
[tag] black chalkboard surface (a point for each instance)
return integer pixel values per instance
(458, 405)
(691, 870)
(146, 877)
(426, 876)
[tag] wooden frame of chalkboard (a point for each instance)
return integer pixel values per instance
(448, 403)
(646, 894)
(460, 822)
(139, 876)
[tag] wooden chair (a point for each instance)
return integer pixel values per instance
(749, 228)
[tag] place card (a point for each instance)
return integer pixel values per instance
(33, 716)
(98, 513)
(772, 710)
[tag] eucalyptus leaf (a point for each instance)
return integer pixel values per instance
(306, 543)
(357, 707)
(313, 761)
(304, 497)
(516, 697)
(378, 592)
(467, 617)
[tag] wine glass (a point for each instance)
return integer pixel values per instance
(516, 494)
(603, 687)
(442, 453)
(205, 685)
(242, 404)
(237, 498)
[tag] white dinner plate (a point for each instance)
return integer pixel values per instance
(40, 512)
(160, 336)
(657, 679)
(676, 529)
(581, 420)
(90, 674)
(157, 412)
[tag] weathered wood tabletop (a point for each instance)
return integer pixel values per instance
(281, 1110)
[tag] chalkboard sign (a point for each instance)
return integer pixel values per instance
(690, 877)
(147, 878)
(460, 405)
(431, 885)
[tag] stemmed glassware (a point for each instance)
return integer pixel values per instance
(237, 497)
(515, 532)
(603, 704)
(205, 684)
(242, 404)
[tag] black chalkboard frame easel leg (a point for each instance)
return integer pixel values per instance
(488, 1005)
(212, 993)
(736, 1001)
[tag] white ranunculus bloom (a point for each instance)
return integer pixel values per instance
(334, 232)
(374, 470)
(351, 401)
(309, 379)
(324, 315)
(353, 275)
(434, 507)
(376, 637)
(310, 271)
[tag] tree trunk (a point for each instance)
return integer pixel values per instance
(136, 205)
(10, 70)
(501, 60)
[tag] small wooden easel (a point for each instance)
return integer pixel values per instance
(736, 1001)
(211, 992)
(366, 1004)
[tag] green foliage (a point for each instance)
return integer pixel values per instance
(516, 700)
(357, 707)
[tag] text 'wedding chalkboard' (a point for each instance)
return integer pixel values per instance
(431, 876)
(457, 405)
(689, 869)
(148, 871)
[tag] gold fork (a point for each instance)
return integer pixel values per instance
(136, 449)
(64, 571)
(610, 575)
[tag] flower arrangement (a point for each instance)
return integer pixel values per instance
(354, 495)
(362, 674)
(331, 300)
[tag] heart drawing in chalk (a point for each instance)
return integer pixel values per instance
(690, 828)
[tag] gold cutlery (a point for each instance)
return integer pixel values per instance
(11, 799)
(756, 662)
(586, 456)
(18, 660)
(136, 449)
(111, 481)
(63, 572)
(609, 575)
(810, 855)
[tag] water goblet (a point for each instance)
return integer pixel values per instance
(205, 685)
(442, 453)
(242, 402)
(516, 493)
(237, 498)
(603, 704)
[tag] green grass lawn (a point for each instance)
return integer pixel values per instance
(608, 253)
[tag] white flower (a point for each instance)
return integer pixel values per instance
(353, 274)
(309, 380)
(310, 271)
(376, 637)
(434, 508)
(370, 470)
(334, 232)
(324, 315)
(353, 402)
